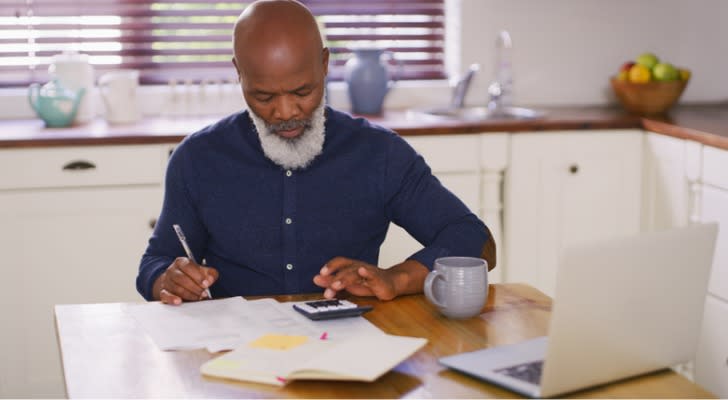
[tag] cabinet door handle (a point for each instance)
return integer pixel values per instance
(574, 168)
(80, 165)
(152, 223)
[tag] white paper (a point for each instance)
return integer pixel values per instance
(271, 316)
(224, 324)
(191, 325)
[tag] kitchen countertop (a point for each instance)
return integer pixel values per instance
(707, 124)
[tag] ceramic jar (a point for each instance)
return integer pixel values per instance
(368, 80)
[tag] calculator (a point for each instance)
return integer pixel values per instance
(329, 309)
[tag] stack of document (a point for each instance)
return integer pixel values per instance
(225, 324)
(271, 342)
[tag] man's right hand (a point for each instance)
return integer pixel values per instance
(184, 281)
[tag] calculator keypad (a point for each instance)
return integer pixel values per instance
(327, 305)
(327, 309)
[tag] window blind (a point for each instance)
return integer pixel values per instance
(191, 39)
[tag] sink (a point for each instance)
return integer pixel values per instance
(480, 113)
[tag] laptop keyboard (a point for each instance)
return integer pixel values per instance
(529, 372)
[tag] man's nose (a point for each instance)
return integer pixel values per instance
(287, 109)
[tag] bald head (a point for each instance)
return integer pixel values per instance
(272, 31)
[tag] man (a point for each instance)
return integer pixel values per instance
(291, 196)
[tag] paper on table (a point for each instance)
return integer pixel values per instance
(270, 316)
(191, 325)
(223, 324)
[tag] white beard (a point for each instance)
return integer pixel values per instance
(297, 152)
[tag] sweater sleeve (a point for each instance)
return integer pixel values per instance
(178, 208)
(428, 211)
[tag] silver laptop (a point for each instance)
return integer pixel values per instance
(621, 308)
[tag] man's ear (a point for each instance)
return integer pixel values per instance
(325, 60)
(235, 63)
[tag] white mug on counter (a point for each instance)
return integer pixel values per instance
(119, 91)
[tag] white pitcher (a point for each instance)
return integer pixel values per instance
(119, 91)
(73, 71)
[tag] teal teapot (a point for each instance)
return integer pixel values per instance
(55, 104)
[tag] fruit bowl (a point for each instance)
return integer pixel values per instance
(648, 98)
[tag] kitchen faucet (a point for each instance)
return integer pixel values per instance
(495, 91)
(500, 91)
(461, 87)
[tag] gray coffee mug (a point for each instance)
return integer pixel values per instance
(458, 286)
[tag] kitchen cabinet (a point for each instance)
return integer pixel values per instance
(493, 163)
(671, 174)
(563, 188)
(75, 223)
(714, 207)
(711, 362)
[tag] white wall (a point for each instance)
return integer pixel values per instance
(565, 50)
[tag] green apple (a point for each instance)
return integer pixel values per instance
(665, 72)
(649, 60)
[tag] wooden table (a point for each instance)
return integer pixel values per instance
(105, 354)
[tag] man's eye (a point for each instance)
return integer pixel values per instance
(264, 99)
(303, 93)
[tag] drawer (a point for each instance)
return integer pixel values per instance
(715, 165)
(711, 361)
(448, 153)
(81, 166)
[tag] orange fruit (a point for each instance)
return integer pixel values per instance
(639, 74)
(684, 73)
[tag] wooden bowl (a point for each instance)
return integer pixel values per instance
(648, 98)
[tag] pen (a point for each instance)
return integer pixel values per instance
(183, 241)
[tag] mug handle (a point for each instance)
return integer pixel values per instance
(104, 91)
(428, 287)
